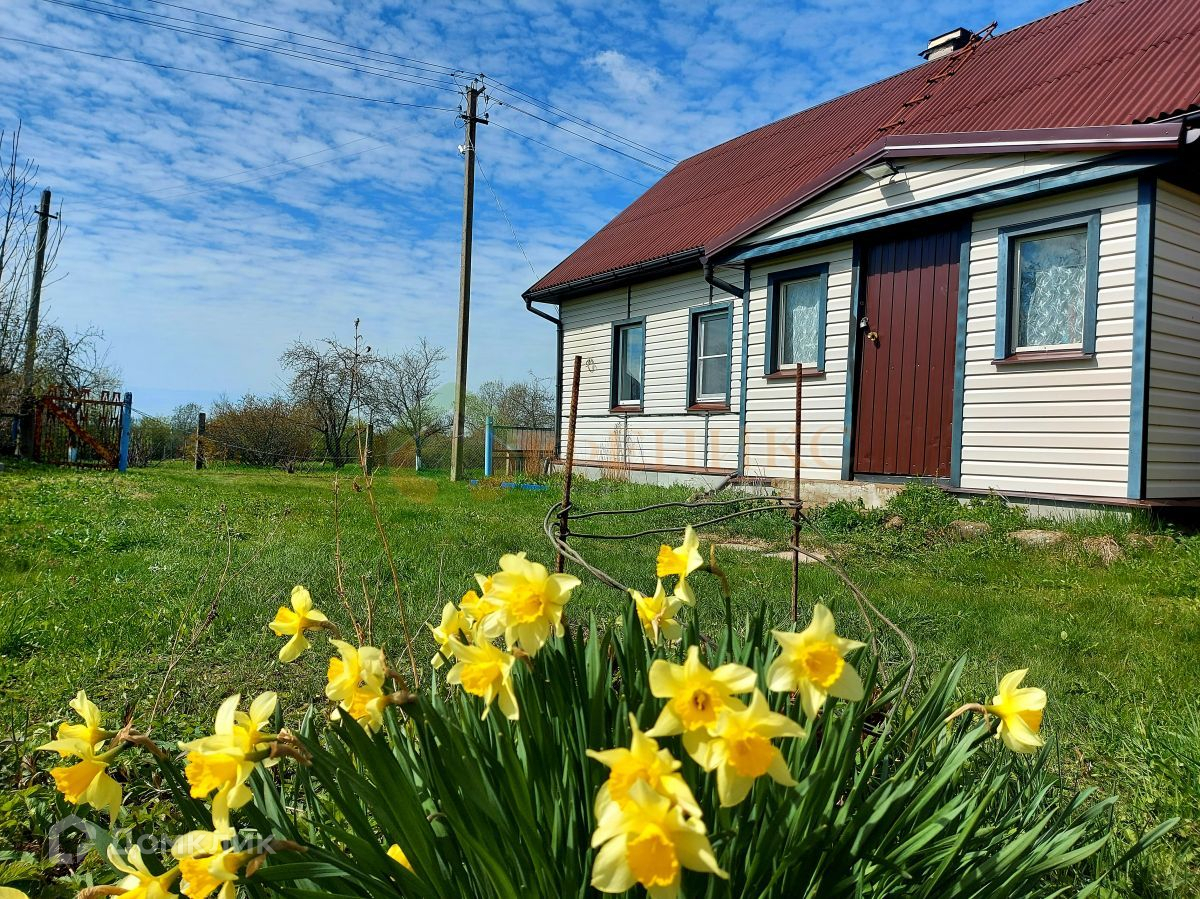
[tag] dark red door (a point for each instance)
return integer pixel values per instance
(904, 413)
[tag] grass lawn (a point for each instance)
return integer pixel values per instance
(157, 584)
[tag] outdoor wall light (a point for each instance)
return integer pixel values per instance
(881, 170)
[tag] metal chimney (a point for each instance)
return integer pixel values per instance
(945, 44)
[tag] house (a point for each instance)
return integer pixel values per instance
(987, 268)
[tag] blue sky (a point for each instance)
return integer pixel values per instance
(201, 252)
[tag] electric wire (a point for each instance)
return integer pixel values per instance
(223, 38)
(503, 212)
(542, 143)
(561, 127)
(360, 67)
(262, 81)
(503, 88)
(312, 37)
(412, 62)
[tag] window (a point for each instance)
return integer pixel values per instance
(796, 319)
(709, 358)
(629, 363)
(1047, 288)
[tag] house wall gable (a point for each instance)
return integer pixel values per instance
(920, 180)
(1173, 409)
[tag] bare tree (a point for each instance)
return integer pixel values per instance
(75, 362)
(18, 242)
(402, 389)
(327, 381)
(521, 404)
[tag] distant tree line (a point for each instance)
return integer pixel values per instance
(332, 390)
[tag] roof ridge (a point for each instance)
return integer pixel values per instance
(750, 137)
(1071, 73)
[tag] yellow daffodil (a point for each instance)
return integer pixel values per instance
(90, 731)
(648, 841)
(12, 893)
(740, 750)
(365, 705)
(396, 854)
(224, 761)
(657, 614)
(812, 663)
(485, 671)
(295, 621)
(207, 862)
(452, 624)
(476, 607)
(529, 603)
(681, 561)
(1020, 712)
(362, 665)
(355, 683)
(695, 695)
(642, 762)
(139, 883)
(87, 781)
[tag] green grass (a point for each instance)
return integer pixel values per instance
(100, 572)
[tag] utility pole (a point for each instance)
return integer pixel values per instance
(464, 284)
(35, 305)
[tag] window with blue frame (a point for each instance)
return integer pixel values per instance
(629, 363)
(711, 340)
(796, 319)
(1047, 293)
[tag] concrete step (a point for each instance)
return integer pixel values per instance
(815, 492)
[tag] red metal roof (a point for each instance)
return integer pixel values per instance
(1102, 62)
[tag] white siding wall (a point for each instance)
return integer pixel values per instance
(1173, 416)
(664, 434)
(920, 180)
(771, 406)
(1053, 427)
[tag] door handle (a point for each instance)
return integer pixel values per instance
(873, 336)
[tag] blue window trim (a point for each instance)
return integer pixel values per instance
(613, 402)
(856, 309)
(960, 355)
(694, 314)
(1143, 298)
(1006, 301)
(774, 280)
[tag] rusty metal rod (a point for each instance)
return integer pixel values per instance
(564, 516)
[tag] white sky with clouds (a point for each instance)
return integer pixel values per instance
(199, 286)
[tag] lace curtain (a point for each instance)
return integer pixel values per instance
(1052, 287)
(800, 320)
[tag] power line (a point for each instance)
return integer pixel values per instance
(408, 78)
(561, 127)
(408, 62)
(358, 66)
(542, 143)
(312, 37)
(570, 116)
(503, 212)
(293, 87)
